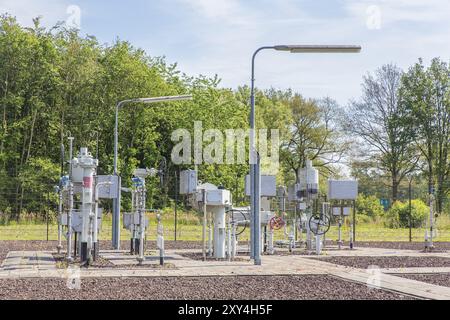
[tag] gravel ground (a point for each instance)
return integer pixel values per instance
(439, 246)
(310, 287)
(388, 262)
(440, 279)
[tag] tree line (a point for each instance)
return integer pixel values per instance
(56, 83)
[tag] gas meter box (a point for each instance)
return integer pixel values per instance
(268, 186)
(130, 219)
(188, 181)
(266, 216)
(108, 191)
(77, 221)
(77, 172)
(218, 197)
(345, 211)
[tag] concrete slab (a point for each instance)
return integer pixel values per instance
(28, 260)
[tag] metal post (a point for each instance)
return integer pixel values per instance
(354, 221)
(60, 211)
(70, 206)
(46, 217)
(204, 224)
(431, 220)
(410, 209)
(141, 210)
(116, 201)
(60, 202)
(210, 235)
(254, 173)
(257, 217)
(176, 203)
(160, 233)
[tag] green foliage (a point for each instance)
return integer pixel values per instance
(425, 92)
(369, 206)
(55, 83)
(398, 215)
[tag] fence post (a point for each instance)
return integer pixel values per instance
(46, 210)
(176, 202)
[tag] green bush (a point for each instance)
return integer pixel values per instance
(362, 218)
(398, 215)
(369, 206)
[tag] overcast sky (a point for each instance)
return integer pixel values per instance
(218, 37)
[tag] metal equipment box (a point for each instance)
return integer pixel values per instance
(188, 181)
(218, 197)
(108, 191)
(342, 189)
(268, 186)
(130, 219)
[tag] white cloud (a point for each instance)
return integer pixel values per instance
(212, 9)
(402, 10)
(25, 11)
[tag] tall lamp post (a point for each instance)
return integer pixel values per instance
(116, 201)
(255, 175)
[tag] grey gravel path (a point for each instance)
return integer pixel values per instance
(310, 287)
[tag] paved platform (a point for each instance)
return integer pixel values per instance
(28, 260)
(32, 264)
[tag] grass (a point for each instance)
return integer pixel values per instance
(189, 229)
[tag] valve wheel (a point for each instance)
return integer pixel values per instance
(276, 223)
(319, 224)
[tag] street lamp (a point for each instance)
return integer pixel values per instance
(116, 201)
(255, 176)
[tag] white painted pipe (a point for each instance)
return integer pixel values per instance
(233, 240)
(210, 236)
(219, 231)
(270, 248)
(318, 245)
(60, 212)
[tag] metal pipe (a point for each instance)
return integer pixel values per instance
(95, 227)
(431, 221)
(60, 212)
(339, 231)
(233, 241)
(141, 210)
(204, 224)
(229, 240)
(210, 235)
(160, 233)
(410, 208)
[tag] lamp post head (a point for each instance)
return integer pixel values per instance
(318, 48)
